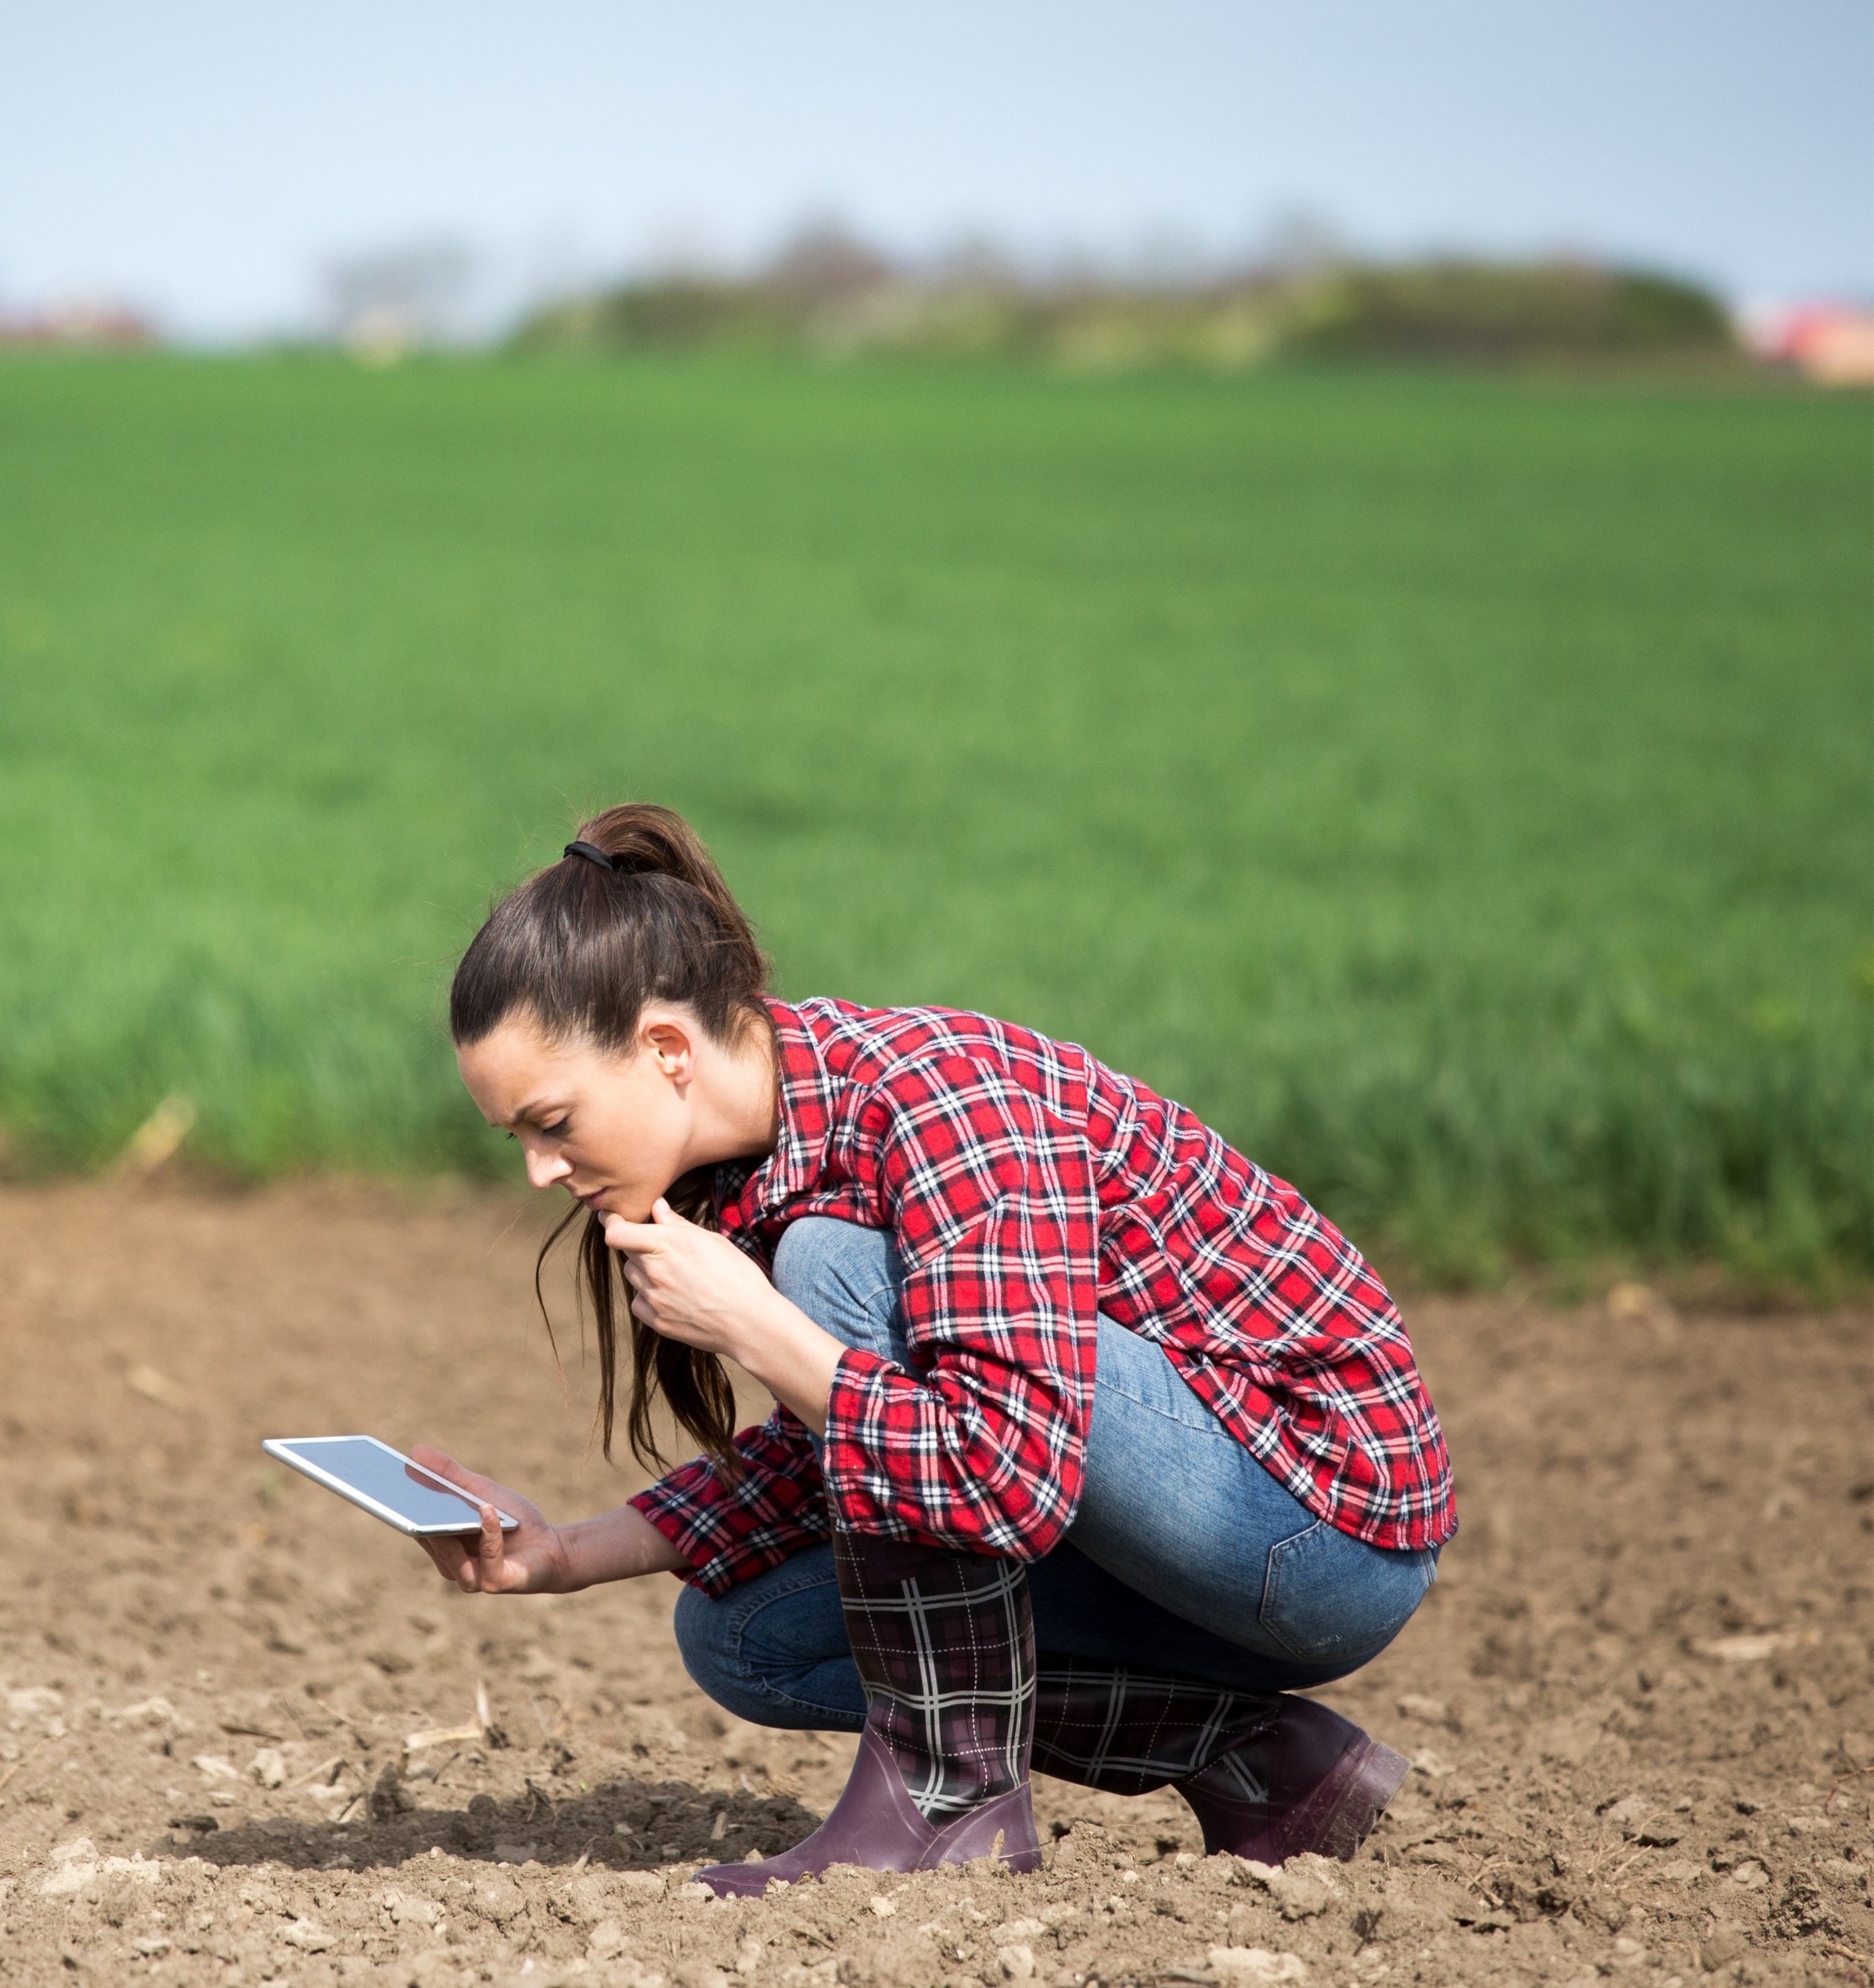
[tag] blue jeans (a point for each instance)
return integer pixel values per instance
(1184, 1554)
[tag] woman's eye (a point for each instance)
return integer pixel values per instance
(555, 1132)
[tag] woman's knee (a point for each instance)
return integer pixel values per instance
(845, 1278)
(707, 1643)
(774, 1650)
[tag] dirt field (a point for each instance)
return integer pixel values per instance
(1638, 1699)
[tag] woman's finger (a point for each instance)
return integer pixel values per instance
(634, 1239)
(440, 1556)
(493, 1551)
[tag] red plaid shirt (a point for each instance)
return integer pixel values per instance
(1029, 1187)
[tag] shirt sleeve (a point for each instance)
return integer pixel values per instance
(730, 1530)
(977, 1443)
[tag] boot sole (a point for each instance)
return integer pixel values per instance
(1338, 1816)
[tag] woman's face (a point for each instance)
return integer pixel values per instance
(613, 1128)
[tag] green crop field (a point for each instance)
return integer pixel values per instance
(1457, 789)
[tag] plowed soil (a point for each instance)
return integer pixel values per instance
(1638, 1700)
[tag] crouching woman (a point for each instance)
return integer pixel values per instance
(1093, 1442)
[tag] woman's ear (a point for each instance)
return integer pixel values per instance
(671, 1044)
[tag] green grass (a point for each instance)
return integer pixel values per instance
(1457, 791)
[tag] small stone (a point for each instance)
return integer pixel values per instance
(73, 1869)
(500, 1900)
(1719, 1948)
(1302, 1887)
(137, 1867)
(1016, 1962)
(308, 1938)
(588, 1899)
(607, 1942)
(881, 1905)
(1256, 1964)
(1751, 1874)
(268, 1767)
(151, 1712)
(214, 1768)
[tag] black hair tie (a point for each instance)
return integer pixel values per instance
(593, 854)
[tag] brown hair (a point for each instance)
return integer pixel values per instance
(581, 948)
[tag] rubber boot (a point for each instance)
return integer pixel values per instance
(945, 1646)
(1310, 1780)
(1268, 1775)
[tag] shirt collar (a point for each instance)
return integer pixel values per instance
(804, 1088)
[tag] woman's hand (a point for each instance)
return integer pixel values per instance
(694, 1286)
(531, 1560)
(690, 1285)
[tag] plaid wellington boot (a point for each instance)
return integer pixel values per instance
(1268, 1775)
(945, 1646)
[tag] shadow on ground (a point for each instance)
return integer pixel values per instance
(626, 1825)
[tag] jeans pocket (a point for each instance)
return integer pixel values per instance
(1330, 1598)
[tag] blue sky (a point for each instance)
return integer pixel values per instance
(206, 158)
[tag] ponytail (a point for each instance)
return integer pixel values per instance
(638, 914)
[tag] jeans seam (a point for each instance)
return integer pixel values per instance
(764, 1688)
(885, 1345)
(1204, 1426)
(754, 1605)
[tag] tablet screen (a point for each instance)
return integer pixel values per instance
(379, 1472)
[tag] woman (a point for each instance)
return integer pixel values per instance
(1093, 1442)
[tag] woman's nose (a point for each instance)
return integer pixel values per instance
(544, 1168)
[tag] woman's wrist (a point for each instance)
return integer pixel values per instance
(617, 1546)
(793, 1358)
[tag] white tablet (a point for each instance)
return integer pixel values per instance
(383, 1482)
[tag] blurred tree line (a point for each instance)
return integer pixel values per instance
(830, 293)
